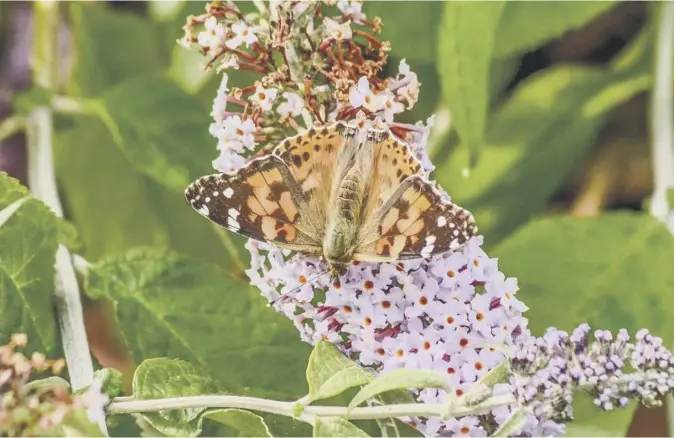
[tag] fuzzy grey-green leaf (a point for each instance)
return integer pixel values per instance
(336, 427)
(404, 378)
(329, 372)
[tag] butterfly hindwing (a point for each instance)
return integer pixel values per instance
(261, 201)
(416, 222)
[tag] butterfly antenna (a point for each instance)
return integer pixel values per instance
(311, 280)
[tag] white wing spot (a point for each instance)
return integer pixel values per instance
(452, 225)
(228, 192)
(441, 221)
(204, 210)
(215, 194)
(233, 224)
(234, 214)
(455, 233)
(207, 199)
(430, 240)
(198, 197)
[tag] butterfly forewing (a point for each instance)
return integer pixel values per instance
(260, 201)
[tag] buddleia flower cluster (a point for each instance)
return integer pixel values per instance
(614, 371)
(38, 408)
(322, 62)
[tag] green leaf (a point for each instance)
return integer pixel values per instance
(161, 129)
(173, 305)
(410, 26)
(466, 38)
(538, 137)
(111, 380)
(163, 378)
(336, 427)
(115, 207)
(329, 372)
(111, 45)
(248, 423)
(48, 382)
(404, 378)
(590, 421)
(526, 25)
(8, 211)
(514, 425)
(28, 243)
(76, 423)
(614, 271)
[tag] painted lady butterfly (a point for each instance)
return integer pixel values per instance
(340, 192)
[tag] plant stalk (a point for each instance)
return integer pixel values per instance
(662, 115)
(126, 406)
(42, 183)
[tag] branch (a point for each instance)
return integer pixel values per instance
(42, 182)
(662, 115)
(126, 406)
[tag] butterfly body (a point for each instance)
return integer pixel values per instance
(338, 192)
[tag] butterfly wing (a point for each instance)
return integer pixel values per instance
(315, 159)
(407, 218)
(261, 201)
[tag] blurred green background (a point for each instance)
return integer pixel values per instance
(543, 130)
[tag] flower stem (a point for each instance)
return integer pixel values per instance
(126, 406)
(42, 182)
(662, 114)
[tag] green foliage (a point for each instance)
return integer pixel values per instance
(466, 39)
(111, 381)
(162, 130)
(111, 46)
(538, 136)
(613, 272)
(404, 378)
(195, 311)
(29, 237)
(527, 25)
(76, 423)
(329, 372)
(336, 427)
(409, 26)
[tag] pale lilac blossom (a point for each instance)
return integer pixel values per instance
(264, 97)
(337, 31)
(352, 9)
(243, 34)
(213, 35)
(292, 106)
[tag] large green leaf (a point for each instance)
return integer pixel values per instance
(28, 241)
(538, 136)
(410, 26)
(330, 372)
(161, 129)
(116, 207)
(163, 378)
(110, 47)
(614, 271)
(466, 39)
(526, 25)
(336, 427)
(176, 306)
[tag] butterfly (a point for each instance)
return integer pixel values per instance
(340, 192)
